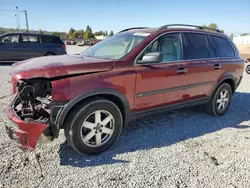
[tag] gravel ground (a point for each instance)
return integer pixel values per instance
(182, 148)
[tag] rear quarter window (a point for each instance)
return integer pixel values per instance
(222, 47)
(51, 39)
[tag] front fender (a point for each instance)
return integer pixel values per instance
(105, 91)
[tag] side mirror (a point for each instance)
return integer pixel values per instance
(152, 57)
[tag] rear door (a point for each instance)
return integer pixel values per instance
(226, 53)
(204, 68)
(9, 47)
(162, 83)
(31, 46)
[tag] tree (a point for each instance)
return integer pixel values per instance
(106, 33)
(79, 33)
(88, 28)
(111, 33)
(56, 34)
(212, 26)
(87, 35)
(98, 33)
(71, 33)
(244, 34)
(231, 36)
(40, 31)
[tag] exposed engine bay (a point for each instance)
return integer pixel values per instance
(33, 100)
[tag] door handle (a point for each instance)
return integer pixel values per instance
(181, 70)
(217, 66)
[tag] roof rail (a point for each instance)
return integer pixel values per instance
(132, 28)
(186, 25)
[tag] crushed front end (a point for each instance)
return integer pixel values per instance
(30, 111)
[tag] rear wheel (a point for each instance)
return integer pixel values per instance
(220, 100)
(248, 69)
(93, 126)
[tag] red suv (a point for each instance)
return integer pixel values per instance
(138, 71)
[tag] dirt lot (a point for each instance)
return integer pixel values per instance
(244, 50)
(182, 148)
(73, 49)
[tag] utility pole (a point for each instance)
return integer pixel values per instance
(17, 17)
(26, 18)
(18, 20)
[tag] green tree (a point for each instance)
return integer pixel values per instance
(40, 31)
(79, 33)
(88, 28)
(231, 36)
(106, 33)
(71, 33)
(212, 26)
(87, 35)
(111, 33)
(98, 33)
(244, 34)
(56, 34)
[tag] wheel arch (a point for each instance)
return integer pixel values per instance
(231, 80)
(110, 94)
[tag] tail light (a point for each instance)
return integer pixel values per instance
(64, 46)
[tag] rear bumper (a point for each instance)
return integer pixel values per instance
(24, 134)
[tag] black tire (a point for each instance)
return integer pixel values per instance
(212, 106)
(248, 69)
(73, 123)
(49, 54)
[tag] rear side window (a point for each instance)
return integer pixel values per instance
(196, 46)
(222, 46)
(29, 39)
(51, 39)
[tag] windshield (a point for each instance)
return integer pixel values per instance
(116, 46)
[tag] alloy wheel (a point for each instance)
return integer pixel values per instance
(97, 128)
(222, 100)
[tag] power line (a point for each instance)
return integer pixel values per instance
(17, 16)
(12, 10)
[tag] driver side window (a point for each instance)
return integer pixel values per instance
(169, 45)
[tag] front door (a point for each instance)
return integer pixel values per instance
(163, 83)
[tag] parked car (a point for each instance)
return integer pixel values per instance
(89, 42)
(67, 42)
(73, 42)
(134, 73)
(247, 61)
(21, 46)
(80, 43)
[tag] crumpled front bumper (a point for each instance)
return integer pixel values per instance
(25, 134)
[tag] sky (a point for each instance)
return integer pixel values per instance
(59, 15)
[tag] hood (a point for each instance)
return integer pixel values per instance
(60, 65)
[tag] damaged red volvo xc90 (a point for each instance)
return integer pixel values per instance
(136, 72)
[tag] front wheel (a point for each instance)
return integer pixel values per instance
(93, 126)
(220, 100)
